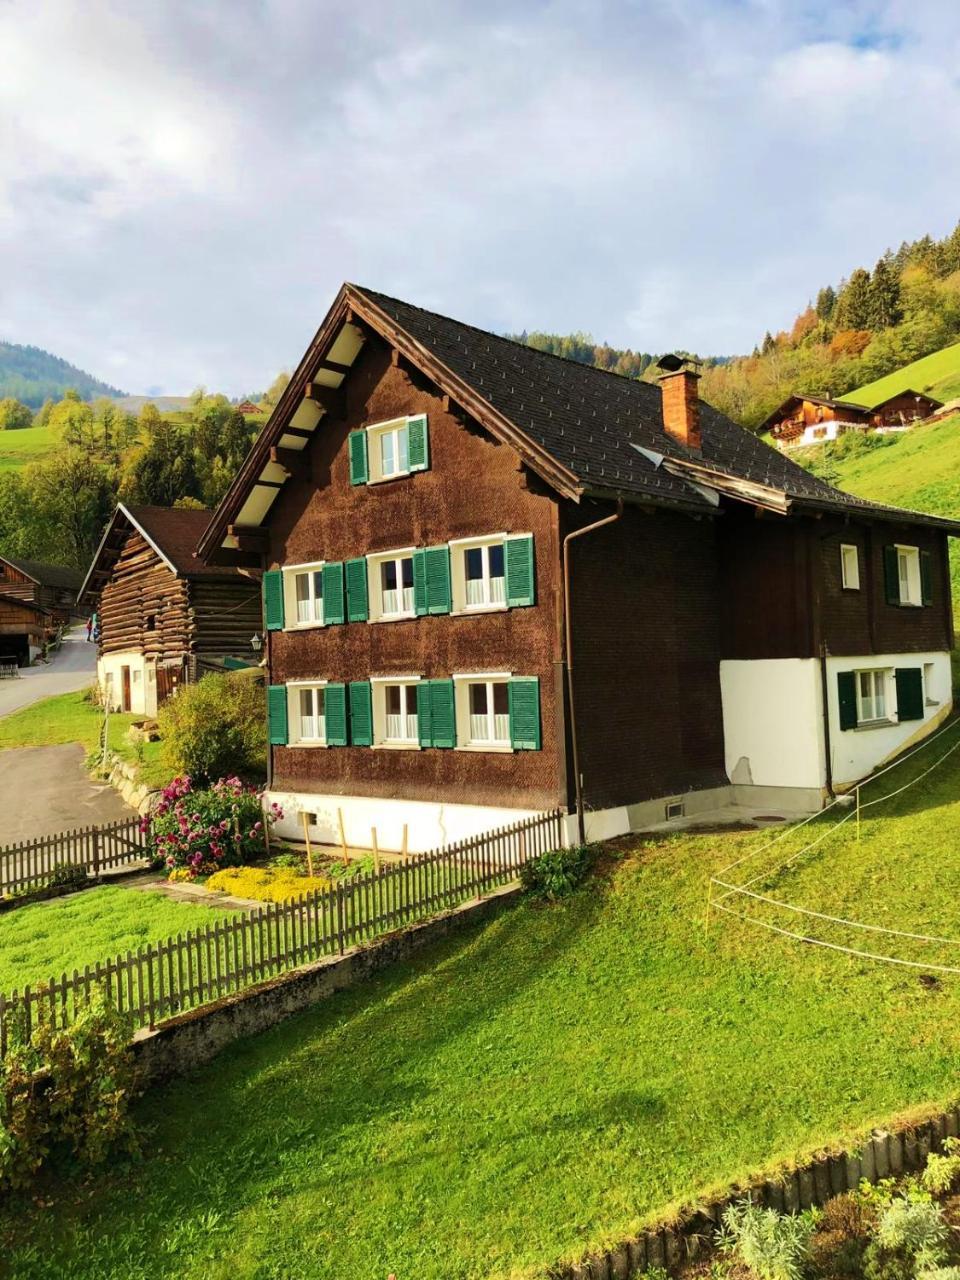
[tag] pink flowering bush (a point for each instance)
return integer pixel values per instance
(196, 832)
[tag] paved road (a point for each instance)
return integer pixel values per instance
(44, 790)
(74, 667)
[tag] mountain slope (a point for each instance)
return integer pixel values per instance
(937, 374)
(33, 375)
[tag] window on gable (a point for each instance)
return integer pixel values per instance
(872, 696)
(386, 450)
(394, 451)
(308, 719)
(850, 567)
(395, 721)
(908, 574)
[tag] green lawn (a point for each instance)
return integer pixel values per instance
(50, 938)
(938, 374)
(541, 1084)
(18, 448)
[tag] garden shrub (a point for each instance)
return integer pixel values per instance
(216, 728)
(843, 1232)
(67, 875)
(267, 884)
(910, 1237)
(942, 1171)
(774, 1246)
(68, 1088)
(556, 874)
(201, 831)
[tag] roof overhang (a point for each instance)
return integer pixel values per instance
(122, 522)
(314, 392)
(12, 565)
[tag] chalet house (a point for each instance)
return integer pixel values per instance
(23, 628)
(804, 420)
(51, 587)
(498, 581)
(165, 616)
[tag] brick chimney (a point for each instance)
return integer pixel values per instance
(680, 401)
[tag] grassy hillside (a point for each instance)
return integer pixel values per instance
(919, 469)
(33, 375)
(547, 1082)
(18, 448)
(938, 375)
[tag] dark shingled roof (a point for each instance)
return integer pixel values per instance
(590, 420)
(175, 532)
(48, 575)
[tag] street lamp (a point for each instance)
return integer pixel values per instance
(256, 643)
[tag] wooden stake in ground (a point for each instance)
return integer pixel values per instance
(375, 847)
(306, 836)
(343, 834)
(405, 849)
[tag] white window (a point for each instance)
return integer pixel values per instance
(306, 714)
(850, 566)
(483, 711)
(478, 573)
(390, 585)
(908, 572)
(395, 711)
(303, 595)
(871, 696)
(388, 448)
(929, 684)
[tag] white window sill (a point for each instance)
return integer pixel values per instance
(480, 608)
(393, 617)
(396, 746)
(397, 475)
(865, 725)
(304, 626)
(307, 746)
(498, 748)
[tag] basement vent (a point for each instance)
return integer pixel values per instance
(674, 809)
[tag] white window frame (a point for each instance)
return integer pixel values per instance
(375, 592)
(375, 434)
(461, 688)
(850, 566)
(294, 689)
(880, 681)
(381, 737)
(291, 612)
(929, 678)
(458, 572)
(908, 570)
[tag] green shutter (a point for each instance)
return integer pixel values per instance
(524, 695)
(335, 710)
(437, 567)
(357, 441)
(273, 599)
(333, 610)
(277, 714)
(356, 575)
(417, 444)
(847, 698)
(891, 575)
(443, 720)
(420, 582)
(910, 700)
(361, 713)
(521, 583)
(926, 577)
(424, 719)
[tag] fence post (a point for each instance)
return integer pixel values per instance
(96, 853)
(340, 946)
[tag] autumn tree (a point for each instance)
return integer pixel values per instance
(14, 415)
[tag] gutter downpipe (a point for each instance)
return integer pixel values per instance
(568, 658)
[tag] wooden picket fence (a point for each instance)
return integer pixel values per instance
(165, 978)
(98, 849)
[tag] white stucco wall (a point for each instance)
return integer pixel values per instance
(143, 682)
(856, 752)
(772, 722)
(430, 825)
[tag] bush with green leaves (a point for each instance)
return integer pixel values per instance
(67, 875)
(216, 728)
(67, 1089)
(910, 1238)
(942, 1171)
(558, 873)
(773, 1245)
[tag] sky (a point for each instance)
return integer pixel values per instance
(184, 186)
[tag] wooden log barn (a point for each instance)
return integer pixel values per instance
(51, 587)
(164, 617)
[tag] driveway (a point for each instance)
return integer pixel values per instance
(44, 790)
(74, 667)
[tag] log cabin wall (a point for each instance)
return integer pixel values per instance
(15, 583)
(224, 615)
(144, 608)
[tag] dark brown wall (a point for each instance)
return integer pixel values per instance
(902, 407)
(782, 593)
(473, 486)
(646, 656)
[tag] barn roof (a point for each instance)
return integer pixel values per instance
(173, 532)
(585, 431)
(57, 576)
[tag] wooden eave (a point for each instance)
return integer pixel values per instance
(16, 568)
(350, 307)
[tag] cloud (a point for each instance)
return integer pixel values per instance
(184, 187)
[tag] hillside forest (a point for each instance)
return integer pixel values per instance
(32, 375)
(56, 507)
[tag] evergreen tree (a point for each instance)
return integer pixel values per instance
(768, 343)
(885, 308)
(855, 304)
(826, 302)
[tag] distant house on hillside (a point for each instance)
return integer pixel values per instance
(52, 587)
(165, 617)
(804, 419)
(499, 582)
(248, 407)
